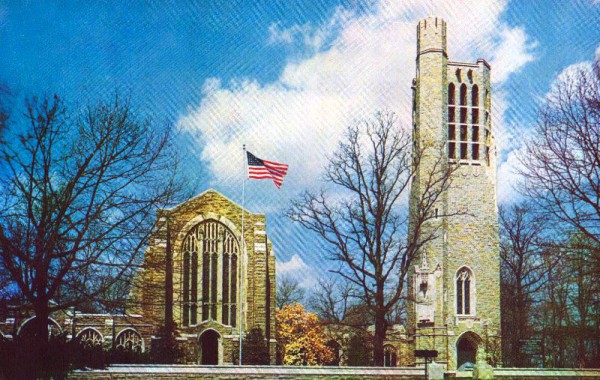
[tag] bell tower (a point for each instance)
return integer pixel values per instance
(454, 285)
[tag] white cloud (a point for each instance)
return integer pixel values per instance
(297, 269)
(308, 35)
(508, 178)
(280, 35)
(366, 65)
(514, 52)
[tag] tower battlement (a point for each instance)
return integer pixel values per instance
(431, 35)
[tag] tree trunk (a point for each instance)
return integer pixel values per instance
(380, 327)
(380, 330)
(38, 340)
(40, 324)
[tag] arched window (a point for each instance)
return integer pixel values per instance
(210, 269)
(475, 96)
(130, 340)
(90, 337)
(390, 357)
(463, 95)
(451, 95)
(465, 291)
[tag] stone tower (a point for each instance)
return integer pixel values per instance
(454, 285)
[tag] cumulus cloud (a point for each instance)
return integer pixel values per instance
(508, 180)
(513, 52)
(308, 35)
(366, 65)
(297, 269)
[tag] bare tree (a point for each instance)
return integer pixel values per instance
(561, 165)
(331, 300)
(527, 254)
(584, 301)
(5, 100)
(363, 226)
(80, 191)
(288, 291)
(561, 178)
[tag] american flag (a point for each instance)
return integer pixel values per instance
(263, 169)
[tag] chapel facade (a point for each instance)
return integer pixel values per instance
(454, 286)
(215, 281)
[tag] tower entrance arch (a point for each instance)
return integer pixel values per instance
(466, 348)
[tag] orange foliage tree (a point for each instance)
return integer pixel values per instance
(301, 337)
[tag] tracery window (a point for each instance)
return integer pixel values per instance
(130, 340)
(465, 292)
(209, 274)
(90, 337)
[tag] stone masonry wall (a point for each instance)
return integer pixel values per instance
(150, 297)
(468, 225)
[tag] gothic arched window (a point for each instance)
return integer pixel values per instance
(27, 328)
(463, 95)
(475, 96)
(90, 337)
(130, 340)
(209, 274)
(465, 292)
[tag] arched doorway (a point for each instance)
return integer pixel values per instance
(209, 347)
(466, 350)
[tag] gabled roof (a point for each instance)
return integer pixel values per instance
(205, 193)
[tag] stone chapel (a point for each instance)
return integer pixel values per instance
(222, 281)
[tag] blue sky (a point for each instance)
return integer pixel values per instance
(285, 77)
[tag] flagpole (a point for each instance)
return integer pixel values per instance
(242, 256)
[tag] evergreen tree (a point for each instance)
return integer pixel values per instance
(255, 348)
